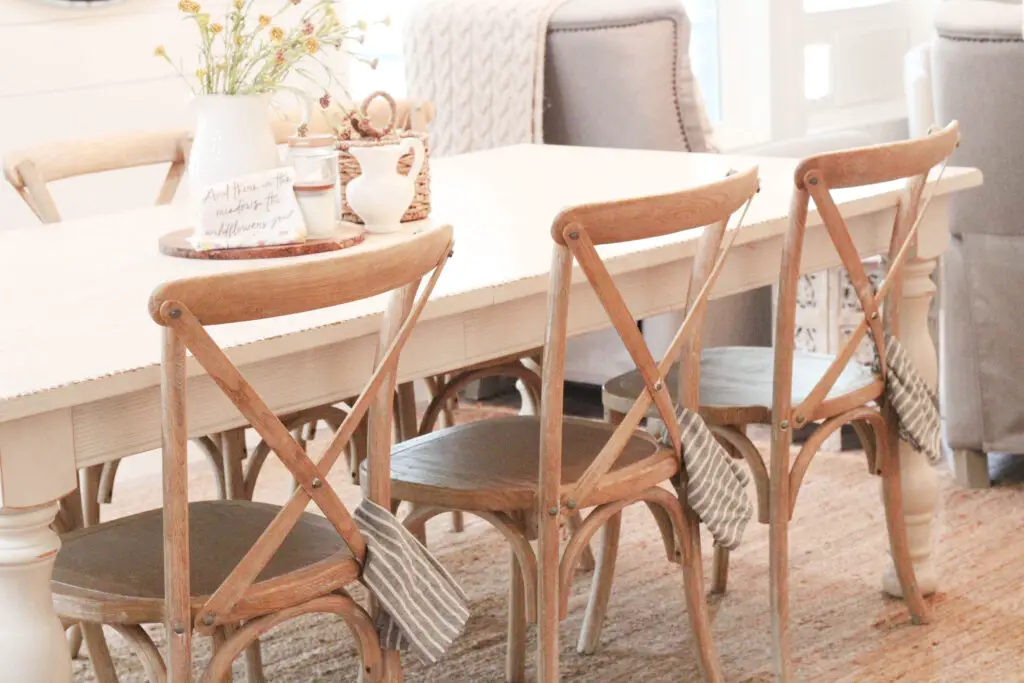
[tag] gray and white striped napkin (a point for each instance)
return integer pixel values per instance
(422, 606)
(716, 485)
(913, 401)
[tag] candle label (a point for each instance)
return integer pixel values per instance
(250, 211)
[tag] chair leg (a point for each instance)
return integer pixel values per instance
(600, 586)
(899, 544)
(254, 663)
(96, 644)
(587, 561)
(696, 604)
(778, 552)
(220, 637)
(233, 453)
(720, 571)
(515, 657)
(107, 480)
(74, 637)
(90, 484)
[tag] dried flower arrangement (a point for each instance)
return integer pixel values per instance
(243, 56)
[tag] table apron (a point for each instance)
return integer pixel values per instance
(123, 425)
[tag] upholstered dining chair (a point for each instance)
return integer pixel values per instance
(526, 475)
(788, 388)
(234, 569)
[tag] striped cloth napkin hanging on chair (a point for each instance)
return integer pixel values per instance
(716, 485)
(421, 604)
(913, 401)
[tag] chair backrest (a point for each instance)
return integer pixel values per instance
(30, 170)
(576, 233)
(816, 177)
(185, 307)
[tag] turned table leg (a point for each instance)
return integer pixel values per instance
(32, 645)
(919, 480)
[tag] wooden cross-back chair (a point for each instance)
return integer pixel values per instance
(526, 474)
(788, 388)
(30, 171)
(235, 569)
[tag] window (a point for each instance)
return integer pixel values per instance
(383, 44)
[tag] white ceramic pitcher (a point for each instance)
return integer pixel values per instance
(380, 195)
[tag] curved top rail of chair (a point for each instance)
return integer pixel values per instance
(643, 217)
(881, 163)
(60, 160)
(307, 285)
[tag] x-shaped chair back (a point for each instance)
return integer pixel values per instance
(816, 177)
(577, 233)
(185, 307)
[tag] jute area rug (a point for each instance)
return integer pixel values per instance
(843, 627)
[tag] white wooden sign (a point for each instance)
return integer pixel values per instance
(250, 211)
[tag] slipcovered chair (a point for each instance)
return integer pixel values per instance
(976, 59)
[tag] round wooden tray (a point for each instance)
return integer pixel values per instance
(176, 244)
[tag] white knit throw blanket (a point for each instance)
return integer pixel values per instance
(481, 62)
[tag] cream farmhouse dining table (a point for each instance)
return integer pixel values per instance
(79, 354)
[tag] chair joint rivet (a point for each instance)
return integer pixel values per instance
(553, 511)
(813, 180)
(574, 235)
(658, 385)
(784, 425)
(174, 313)
(316, 483)
(451, 253)
(208, 620)
(571, 504)
(874, 316)
(179, 629)
(799, 419)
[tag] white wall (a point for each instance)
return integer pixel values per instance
(70, 72)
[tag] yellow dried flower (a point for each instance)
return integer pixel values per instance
(203, 20)
(277, 34)
(216, 28)
(264, 20)
(312, 45)
(200, 74)
(160, 51)
(239, 40)
(239, 4)
(189, 6)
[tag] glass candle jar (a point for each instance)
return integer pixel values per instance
(315, 159)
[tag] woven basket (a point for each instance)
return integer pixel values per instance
(348, 168)
(369, 136)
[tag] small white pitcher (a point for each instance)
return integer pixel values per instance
(380, 195)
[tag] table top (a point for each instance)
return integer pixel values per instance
(75, 326)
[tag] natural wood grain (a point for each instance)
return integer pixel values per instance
(303, 286)
(214, 592)
(176, 244)
(881, 163)
(549, 504)
(652, 216)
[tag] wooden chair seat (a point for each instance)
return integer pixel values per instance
(114, 572)
(736, 385)
(493, 465)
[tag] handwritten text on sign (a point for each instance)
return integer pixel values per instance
(249, 211)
